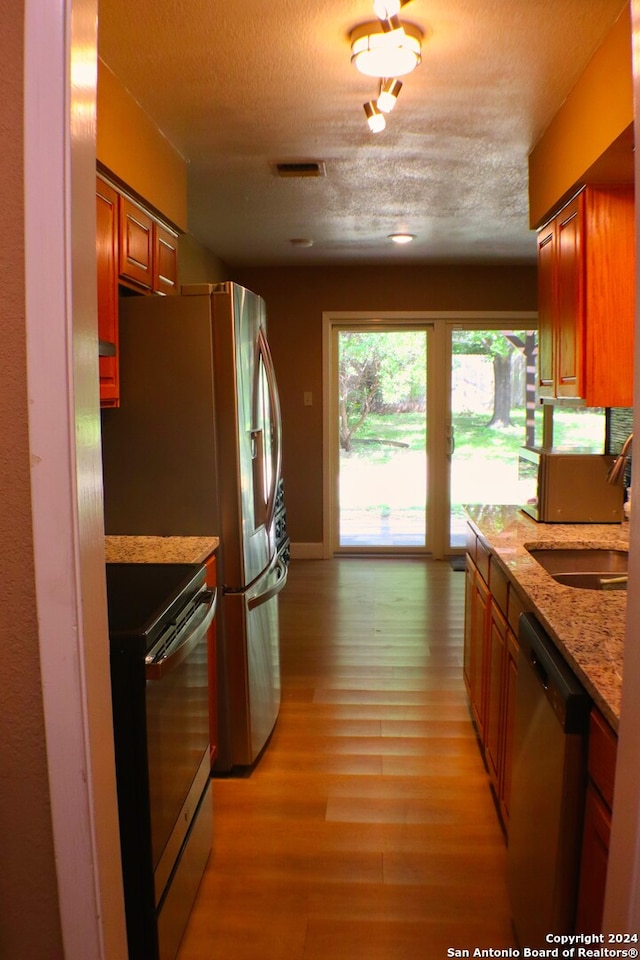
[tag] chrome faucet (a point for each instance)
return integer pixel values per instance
(617, 468)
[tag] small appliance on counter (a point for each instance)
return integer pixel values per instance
(159, 618)
(570, 486)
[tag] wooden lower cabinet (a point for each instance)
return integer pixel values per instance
(476, 644)
(595, 857)
(494, 680)
(490, 671)
(509, 701)
(501, 702)
(597, 825)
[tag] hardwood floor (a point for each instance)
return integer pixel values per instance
(367, 831)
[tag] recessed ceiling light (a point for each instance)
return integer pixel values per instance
(301, 242)
(402, 237)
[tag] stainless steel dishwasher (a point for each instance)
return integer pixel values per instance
(547, 789)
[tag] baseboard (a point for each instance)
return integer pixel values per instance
(307, 551)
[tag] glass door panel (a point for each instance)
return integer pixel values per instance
(493, 401)
(382, 436)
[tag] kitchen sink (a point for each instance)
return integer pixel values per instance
(589, 568)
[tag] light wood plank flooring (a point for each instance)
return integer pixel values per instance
(367, 831)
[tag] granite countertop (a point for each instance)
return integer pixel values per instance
(159, 549)
(588, 626)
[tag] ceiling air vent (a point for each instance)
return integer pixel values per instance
(299, 168)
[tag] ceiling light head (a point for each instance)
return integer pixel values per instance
(377, 53)
(389, 24)
(402, 237)
(375, 118)
(301, 242)
(388, 96)
(385, 9)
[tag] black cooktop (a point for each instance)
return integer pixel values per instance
(143, 597)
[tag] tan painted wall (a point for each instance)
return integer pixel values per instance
(197, 264)
(154, 169)
(596, 113)
(29, 923)
(296, 298)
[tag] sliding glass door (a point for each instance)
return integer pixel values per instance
(382, 436)
(424, 415)
(492, 404)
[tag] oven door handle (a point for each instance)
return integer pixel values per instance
(158, 669)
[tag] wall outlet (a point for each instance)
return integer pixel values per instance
(308, 398)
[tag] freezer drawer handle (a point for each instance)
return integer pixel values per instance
(261, 598)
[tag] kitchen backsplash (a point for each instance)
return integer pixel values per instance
(620, 426)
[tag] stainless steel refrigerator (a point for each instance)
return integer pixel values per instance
(195, 449)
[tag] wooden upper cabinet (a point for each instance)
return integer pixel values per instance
(136, 244)
(136, 250)
(570, 292)
(586, 265)
(546, 311)
(107, 267)
(165, 260)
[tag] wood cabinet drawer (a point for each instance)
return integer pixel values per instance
(482, 560)
(499, 586)
(471, 542)
(603, 745)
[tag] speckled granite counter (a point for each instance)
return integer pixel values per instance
(159, 549)
(588, 626)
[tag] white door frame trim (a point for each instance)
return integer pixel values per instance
(60, 76)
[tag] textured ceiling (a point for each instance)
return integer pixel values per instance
(238, 84)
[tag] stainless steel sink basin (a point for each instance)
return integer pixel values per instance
(588, 568)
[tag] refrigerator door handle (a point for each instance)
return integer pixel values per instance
(257, 454)
(260, 598)
(264, 358)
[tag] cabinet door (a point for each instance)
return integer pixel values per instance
(476, 645)
(136, 244)
(609, 297)
(593, 868)
(570, 300)
(496, 653)
(508, 721)
(165, 260)
(546, 310)
(107, 266)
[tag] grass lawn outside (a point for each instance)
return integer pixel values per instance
(383, 478)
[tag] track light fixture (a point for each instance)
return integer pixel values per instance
(387, 49)
(375, 118)
(388, 96)
(379, 53)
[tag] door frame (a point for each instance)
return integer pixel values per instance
(439, 322)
